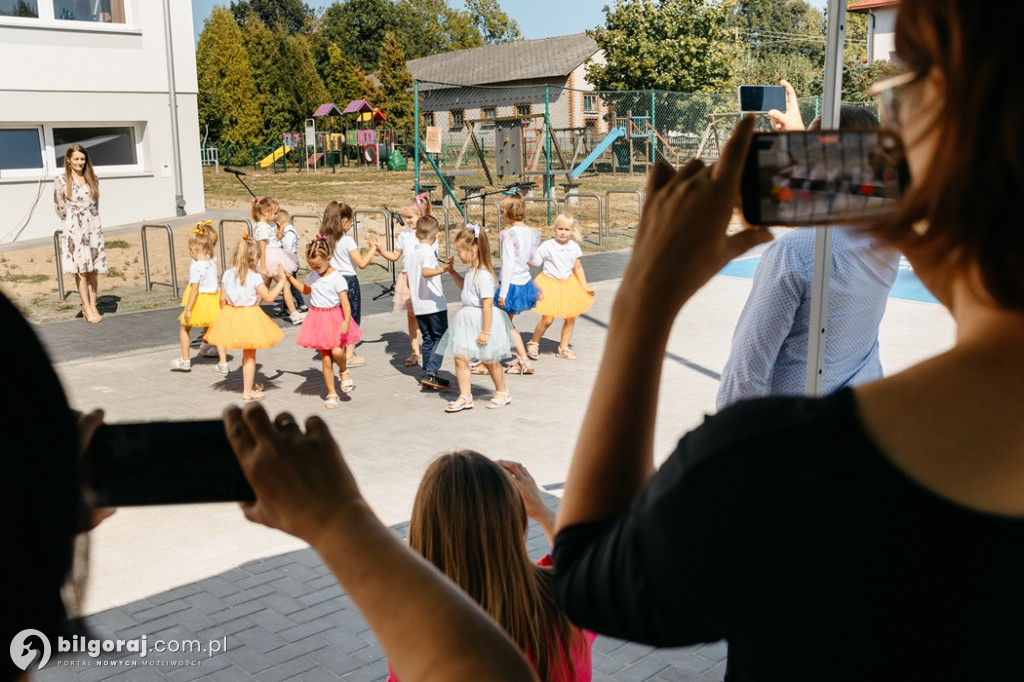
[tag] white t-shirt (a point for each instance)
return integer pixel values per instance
(340, 259)
(241, 294)
(477, 285)
(406, 242)
(290, 240)
(266, 231)
(325, 292)
(204, 273)
(517, 249)
(558, 259)
(427, 293)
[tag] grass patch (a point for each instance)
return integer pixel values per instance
(114, 272)
(28, 279)
(117, 244)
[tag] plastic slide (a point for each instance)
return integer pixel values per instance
(271, 158)
(613, 134)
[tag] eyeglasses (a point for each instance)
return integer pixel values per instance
(888, 94)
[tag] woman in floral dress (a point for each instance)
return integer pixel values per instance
(76, 198)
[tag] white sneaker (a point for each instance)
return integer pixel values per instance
(179, 365)
(297, 317)
(223, 369)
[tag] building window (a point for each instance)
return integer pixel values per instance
(19, 8)
(589, 103)
(428, 118)
(523, 110)
(107, 146)
(104, 11)
(458, 118)
(489, 112)
(20, 149)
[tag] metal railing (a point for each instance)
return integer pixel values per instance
(483, 209)
(597, 197)
(608, 205)
(57, 259)
(447, 230)
(145, 257)
(210, 156)
(220, 237)
(544, 200)
(388, 236)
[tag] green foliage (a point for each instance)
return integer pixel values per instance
(433, 27)
(802, 74)
(780, 27)
(494, 25)
(227, 92)
(116, 244)
(396, 85)
(358, 28)
(345, 81)
(859, 76)
(291, 16)
(678, 45)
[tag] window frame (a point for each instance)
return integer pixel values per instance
(527, 105)
(458, 119)
(595, 102)
(428, 118)
(47, 18)
(6, 173)
(136, 129)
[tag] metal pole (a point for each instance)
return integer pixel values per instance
(416, 134)
(653, 138)
(548, 179)
(818, 330)
(179, 197)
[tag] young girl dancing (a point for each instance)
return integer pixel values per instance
(563, 284)
(469, 519)
(241, 323)
(345, 258)
(518, 293)
(267, 233)
(201, 302)
(480, 331)
(328, 327)
(405, 243)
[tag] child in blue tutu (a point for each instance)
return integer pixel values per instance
(517, 292)
(480, 330)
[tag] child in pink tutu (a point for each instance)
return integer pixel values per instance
(563, 285)
(328, 326)
(267, 233)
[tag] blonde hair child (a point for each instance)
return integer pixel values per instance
(201, 300)
(406, 242)
(480, 331)
(241, 323)
(517, 292)
(346, 258)
(563, 284)
(329, 326)
(267, 234)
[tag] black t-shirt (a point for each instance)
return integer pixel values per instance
(780, 526)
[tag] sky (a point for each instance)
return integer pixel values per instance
(537, 18)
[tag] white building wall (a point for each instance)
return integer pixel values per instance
(81, 74)
(883, 34)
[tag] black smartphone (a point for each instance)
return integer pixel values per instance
(822, 177)
(164, 462)
(762, 98)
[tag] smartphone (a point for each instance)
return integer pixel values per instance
(822, 177)
(164, 462)
(762, 98)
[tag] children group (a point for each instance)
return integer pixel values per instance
(480, 339)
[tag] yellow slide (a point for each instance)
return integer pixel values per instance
(271, 158)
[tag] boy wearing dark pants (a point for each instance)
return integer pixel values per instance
(428, 303)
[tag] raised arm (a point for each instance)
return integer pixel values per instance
(685, 218)
(361, 260)
(429, 628)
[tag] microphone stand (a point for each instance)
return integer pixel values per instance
(237, 174)
(507, 190)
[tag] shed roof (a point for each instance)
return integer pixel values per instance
(358, 106)
(865, 6)
(328, 109)
(504, 62)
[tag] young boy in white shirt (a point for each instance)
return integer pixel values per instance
(428, 302)
(290, 242)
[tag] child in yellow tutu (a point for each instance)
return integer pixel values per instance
(563, 284)
(241, 323)
(201, 301)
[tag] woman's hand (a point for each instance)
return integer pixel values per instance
(790, 119)
(681, 241)
(532, 496)
(300, 479)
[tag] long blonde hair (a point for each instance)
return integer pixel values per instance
(87, 171)
(203, 238)
(247, 257)
(469, 520)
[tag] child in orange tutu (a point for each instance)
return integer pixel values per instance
(563, 284)
(328, 326)
(201, 302)
(241, 323)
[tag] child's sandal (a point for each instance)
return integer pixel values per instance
(494, 403)
(412, 361)
(256, 394)
(464, 402)
(533, 350)
(346, 384)
(566, 353)
(332, 401)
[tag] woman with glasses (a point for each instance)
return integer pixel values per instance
(876, 533)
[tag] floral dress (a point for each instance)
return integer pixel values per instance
(82, 242)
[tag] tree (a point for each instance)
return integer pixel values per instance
(293, 16)
(780, 27)
(494, 25)
(358, 27)
(433, 27)
(396, 85)
(676, 45)
(227, 92)
(858, 77)
(346, 81)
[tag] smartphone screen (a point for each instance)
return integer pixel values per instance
(822, 177)
(761, 98)
(164, 462)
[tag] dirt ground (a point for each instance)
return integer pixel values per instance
(29, 276)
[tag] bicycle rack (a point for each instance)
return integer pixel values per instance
(145, 257)
(543, 200)
(590, 195)
(57, 259)
(608, 205)
(220, 235)
(388, 237)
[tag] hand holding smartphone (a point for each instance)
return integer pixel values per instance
(762, 98)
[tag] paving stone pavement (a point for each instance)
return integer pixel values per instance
(260, 603)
